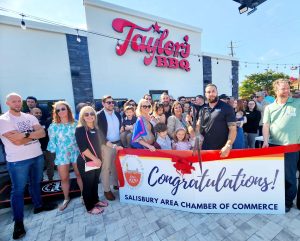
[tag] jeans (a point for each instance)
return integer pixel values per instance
(250, 140)
(126, 138)
(20, 172)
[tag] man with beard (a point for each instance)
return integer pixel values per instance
(165, 99)
(19, 133)
(109, 122)
(281, 127)
(217, 123)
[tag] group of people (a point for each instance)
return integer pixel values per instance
(91, 141)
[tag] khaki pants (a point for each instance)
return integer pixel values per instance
(108, 167)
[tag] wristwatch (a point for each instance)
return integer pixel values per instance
(114, 146)
(27, 134)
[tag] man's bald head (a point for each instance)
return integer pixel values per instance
(11, 95)
(14, 102)
(37, 113)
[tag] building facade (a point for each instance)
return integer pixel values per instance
(125, 53)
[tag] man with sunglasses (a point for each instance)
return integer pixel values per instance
(19, 133)
(109, 122)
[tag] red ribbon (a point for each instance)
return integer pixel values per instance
(183, 165)
(183, 159)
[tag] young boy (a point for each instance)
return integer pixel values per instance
(163, 141)
(127, 126)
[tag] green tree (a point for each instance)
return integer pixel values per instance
(258, 82)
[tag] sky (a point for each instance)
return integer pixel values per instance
(268, 36)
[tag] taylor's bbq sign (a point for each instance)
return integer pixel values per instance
(168, 54)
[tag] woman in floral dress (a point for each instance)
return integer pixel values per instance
(62, 142)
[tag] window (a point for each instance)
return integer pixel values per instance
(155, 94)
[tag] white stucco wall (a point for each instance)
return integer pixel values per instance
(221, 75)
(33, 62)
(127, 76)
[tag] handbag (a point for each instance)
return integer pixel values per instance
(89, 165)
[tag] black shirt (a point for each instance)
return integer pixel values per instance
(95, 137)
(168, 114)
(198, 108)
(127, 122)
(44, 141)
(214, 125)
(253, 119)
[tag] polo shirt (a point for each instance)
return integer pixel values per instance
(284, 121)
(214, 125)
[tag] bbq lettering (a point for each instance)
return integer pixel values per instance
(167, 53)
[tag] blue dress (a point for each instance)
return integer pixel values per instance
(62, 142)
(239, 142)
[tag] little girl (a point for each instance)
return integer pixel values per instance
(180, 142)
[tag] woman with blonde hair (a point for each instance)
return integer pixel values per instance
(143, 133)
(62, 142)
(89, 140)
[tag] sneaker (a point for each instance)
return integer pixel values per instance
(45, 207)
(19, 231)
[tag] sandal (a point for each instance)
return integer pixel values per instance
(101, 204)
(64, 204)
(96, 210)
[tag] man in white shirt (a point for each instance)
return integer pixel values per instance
(19, 133)
(109, 122)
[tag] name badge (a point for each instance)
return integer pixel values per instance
(291, 113)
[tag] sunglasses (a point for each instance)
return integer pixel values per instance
(146, 106)
(61, 109)
(110, 102)
(89, 114)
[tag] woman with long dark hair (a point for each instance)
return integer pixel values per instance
(252, 125)
(239, 142)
